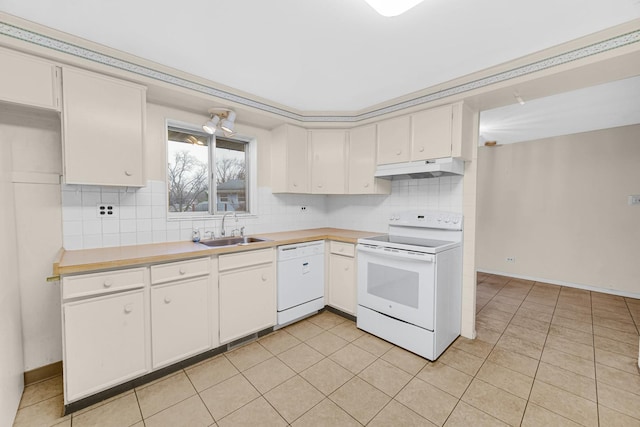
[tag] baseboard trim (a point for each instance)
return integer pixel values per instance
(563, 283)
(42, 373)
(339, 313)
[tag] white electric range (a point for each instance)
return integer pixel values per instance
(410, 282)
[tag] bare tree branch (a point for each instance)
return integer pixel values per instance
(228, 169)
(188, 182)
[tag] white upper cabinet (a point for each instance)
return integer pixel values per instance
(441, 132)
(431, 133)
(328, 161)
(28, 81)
(289, 160)
(394, 140)
(362, 163)
(445, 131)
(103, 129)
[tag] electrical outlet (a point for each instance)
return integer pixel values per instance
(634, 199)
(511, 259)
(107, 210)
(304, 209)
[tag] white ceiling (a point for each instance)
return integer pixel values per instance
(326, 55)
(598, 107)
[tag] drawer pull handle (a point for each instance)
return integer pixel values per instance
(421, 149)
(398, 152)
(127, 173)
(182, 271)
(366, 185)
(167, 300)
(128, 308)
(346, 268)
(264, 277)
(341, 250)
(107, 283)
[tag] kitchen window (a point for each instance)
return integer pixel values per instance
(207, 174)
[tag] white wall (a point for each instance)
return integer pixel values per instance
(11, 355)
(34, 161)
(559, 206)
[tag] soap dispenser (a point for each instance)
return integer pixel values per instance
(195, 235)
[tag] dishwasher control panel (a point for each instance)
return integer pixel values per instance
(299, 250)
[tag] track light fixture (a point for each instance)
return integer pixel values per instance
(221, 118)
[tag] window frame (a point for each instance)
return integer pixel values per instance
(250, 170)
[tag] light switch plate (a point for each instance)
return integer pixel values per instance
(634, 199)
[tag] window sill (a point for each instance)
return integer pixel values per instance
(204, 217)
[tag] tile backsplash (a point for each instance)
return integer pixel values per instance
(141, 213)
(372, 213)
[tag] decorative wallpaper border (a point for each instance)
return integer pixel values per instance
(91, 55)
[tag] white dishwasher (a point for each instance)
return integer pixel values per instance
(300, 280)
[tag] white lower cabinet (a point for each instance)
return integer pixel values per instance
(180, 324)
(104, 342)
(342, 277)
(247, 293)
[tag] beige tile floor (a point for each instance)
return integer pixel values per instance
(545, 356)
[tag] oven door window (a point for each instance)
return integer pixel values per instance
(398, 287)
(394, 284)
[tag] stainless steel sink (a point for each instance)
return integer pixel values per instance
(231, 241)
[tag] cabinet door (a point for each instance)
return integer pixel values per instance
(394, 140)
(27, 80)
(289, 160)
(104, 342)
(328, 167)
(179, 320)
(431, 133)
(342, 283)
(247, 299)
(362, 163)
(103, 130)
(297, 160)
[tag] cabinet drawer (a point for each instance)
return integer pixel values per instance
(245, 259)
(180, 270)
(341, 248)
(101, 283)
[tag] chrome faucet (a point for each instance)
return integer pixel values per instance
(222, 232)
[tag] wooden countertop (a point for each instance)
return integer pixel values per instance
(89, 260)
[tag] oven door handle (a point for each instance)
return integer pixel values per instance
(395, 253)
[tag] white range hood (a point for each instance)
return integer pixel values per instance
(421, 169)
